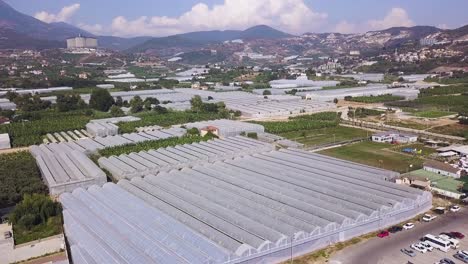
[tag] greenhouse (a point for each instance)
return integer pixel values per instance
(178, 157)
(107, 127)
(281, 108)
(259, 207)
(64, 169)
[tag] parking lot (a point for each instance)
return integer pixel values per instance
(387, 250)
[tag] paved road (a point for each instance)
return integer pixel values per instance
(387, 250)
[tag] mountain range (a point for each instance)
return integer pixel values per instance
(18, 30)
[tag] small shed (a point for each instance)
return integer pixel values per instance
(442, 168)
(5, 141)
(209, 129)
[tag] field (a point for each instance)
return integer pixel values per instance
(26, 133)
(433, 114)
(302, 123)
(453, 130)
(407, 124)
(19, 175)
(448, 103)
(441, 182)
(376, 155)
(148, 145)
(425, 151)
(325, 135)
(375, 99)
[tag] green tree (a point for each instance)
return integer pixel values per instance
(152, 100)
(197, 104)
(136, 104)
(116, 111)
(119, 101)
(101, 100)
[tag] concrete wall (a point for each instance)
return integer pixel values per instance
(10, 253)
(306, 246)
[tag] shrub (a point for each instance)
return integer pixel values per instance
(35, 218)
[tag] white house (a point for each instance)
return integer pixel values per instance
(390, 137)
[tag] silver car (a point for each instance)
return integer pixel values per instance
(408, 252)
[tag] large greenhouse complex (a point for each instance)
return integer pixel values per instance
(257, 205)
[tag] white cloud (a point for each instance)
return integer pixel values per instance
(290, 15)
(346, 27)
(63, 16)
(95, 29)
(397, 17)
(443, 26)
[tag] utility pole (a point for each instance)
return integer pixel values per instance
(292, 249)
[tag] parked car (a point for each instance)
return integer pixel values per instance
(408, 226)
(463, 252)
(447, 261)
(395, 229)
(457, 235)
(428, 217)
(461, 257)
(446, 234)
(419, 248)
(455, 208)
(383, 234)
(427, 246)
(408, 252)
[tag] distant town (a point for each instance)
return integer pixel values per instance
(239, 146)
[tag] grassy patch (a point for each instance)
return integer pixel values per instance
(376, 155)
(325, 135)
(407, 124)
(433, 114)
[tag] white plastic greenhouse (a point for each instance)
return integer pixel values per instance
(64, 166)
(65, 169)
(244, 209)
(183, 156)
(107, 127)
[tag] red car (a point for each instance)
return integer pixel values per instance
(457, 235)
(383, 234)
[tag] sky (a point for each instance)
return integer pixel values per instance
(167, 17)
